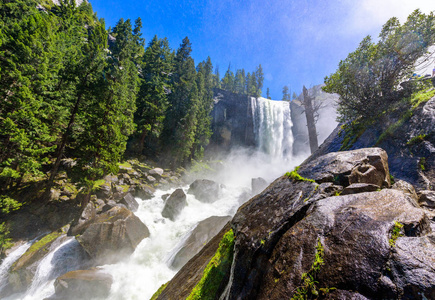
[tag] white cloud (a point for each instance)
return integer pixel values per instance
(370, 15)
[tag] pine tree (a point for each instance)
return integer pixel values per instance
(228, 82)
(260, 79)
(152, 100)
(268, 94)
(285, 93)
(180, 122)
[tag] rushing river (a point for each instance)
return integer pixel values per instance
(141, 274)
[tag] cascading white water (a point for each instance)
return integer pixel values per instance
(8, 262)
(272, 127)
(141, 274)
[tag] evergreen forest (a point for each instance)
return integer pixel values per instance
(71, 89)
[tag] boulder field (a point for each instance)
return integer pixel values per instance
(335, 228)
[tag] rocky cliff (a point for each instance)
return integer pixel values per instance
(354, 224)
(232, 123)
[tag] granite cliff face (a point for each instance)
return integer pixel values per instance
(232, 123)
(236, 121)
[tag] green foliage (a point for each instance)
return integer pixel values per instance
(159, 291)
(396, 233)
(215, 271)
(8, 205)
(416, 139)
(422, 163)
(295, 176)
(368, 80)
(309, 288)
(5, 241)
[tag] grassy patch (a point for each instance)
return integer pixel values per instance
(396, 233)
(295, 176)
(352, 132)
(216, 270)
(393, 127)
(159, 291)
(422, 96)
(417, 139)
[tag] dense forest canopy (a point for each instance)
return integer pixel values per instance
(70, 88)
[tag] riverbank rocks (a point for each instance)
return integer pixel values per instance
(197, 238)
(82, 284)
(174, 204)
(368, 165)
(205, 190)
(129, 201)
(113, 234)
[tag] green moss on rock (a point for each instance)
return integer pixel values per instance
(159, 291)
(216, 271)
(295, 176)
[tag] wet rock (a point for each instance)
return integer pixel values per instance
(112, 235)
(83, 284)
(197, 238)
(205, 190)
(165, 196)
(23, 270)
(369, 165)
(129, 201)
(356, 188)
(174, 204)
(144, 191)
(257, 185)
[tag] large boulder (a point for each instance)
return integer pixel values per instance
(197, 238)
(129, 201)
(174, 204)
(83, 284)
(205, 190)
(368, 165)
(297, 238)
(144, 192)
(112, 235)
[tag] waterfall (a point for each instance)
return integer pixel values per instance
(272, 127)
(141, 274)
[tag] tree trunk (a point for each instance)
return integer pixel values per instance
(311, 123)
(62, 145)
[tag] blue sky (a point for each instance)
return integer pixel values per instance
(296, 42)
